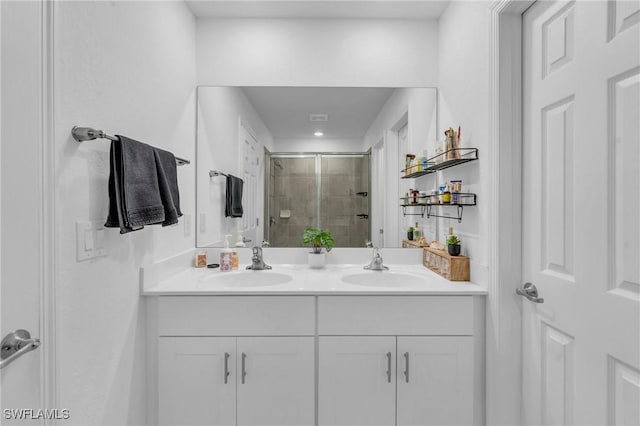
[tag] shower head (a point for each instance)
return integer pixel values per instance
(278, 164)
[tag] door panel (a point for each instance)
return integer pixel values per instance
(356, 384)
(191, 381)
(279, 383)
(439, 386)
(581, 203)
(21, 245)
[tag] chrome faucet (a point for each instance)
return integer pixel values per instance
(376, 262)
(257, 262)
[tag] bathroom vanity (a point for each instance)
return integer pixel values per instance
(338, 346)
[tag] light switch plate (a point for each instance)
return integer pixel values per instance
(89, 240)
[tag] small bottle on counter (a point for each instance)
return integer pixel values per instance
(201, 259)
(226, 261)
(234, 259)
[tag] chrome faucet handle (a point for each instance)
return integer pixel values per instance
(376, 261)
(257, 262)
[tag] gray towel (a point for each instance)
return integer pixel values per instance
(233, 206)
(168, 185)
(143, 187)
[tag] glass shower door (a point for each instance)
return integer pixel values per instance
(293, 201)
(327, 191)
(344, 198)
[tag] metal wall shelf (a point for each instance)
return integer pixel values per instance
(464, 155)
(465, 199)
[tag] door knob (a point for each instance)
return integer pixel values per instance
(16, 344)
(530, 292)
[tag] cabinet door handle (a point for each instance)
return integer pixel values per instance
(244, 370)
(226, 367)
(406, 367)
(389, 367)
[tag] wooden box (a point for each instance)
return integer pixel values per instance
(412, 244)
(453, 268)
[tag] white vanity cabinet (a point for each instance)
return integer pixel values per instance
(228, 360)
(400, 360)
(319, 359)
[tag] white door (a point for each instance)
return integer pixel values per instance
(21, 247)
(197, 381)
(356, 380)
(435, 381)
(276, 381)
(581, 204)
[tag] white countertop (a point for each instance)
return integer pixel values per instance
(300, 279)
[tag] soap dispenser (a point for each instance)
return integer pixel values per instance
(226, 256)
(240, 239)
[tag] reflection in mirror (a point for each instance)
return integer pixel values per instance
(308, 156)
(327, 191)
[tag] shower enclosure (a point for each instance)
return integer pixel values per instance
(327, 191)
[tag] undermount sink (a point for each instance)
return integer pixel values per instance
(248, 278)
(380, 279)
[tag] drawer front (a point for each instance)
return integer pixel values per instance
(236, 316)
(395, 315)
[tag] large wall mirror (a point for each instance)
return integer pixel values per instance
(324, 157)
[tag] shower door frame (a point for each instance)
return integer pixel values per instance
(318, 175)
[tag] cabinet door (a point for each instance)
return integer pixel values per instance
(192, 388)
(276, 381)
(435, 381)
(357, 383)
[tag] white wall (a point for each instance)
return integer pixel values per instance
(127, 68)
(463, 89)
(220, 111)
(317, 52)
(417, 106)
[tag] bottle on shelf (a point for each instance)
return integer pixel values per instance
(446, 195)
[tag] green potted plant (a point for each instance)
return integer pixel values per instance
(453, 245)
(317, 239)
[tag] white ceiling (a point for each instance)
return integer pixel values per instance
(365, 9)
(285, 110)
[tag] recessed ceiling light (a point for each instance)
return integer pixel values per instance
(318, 134)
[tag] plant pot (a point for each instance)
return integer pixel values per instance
(410, 235)
(454, 249)
(317, 260)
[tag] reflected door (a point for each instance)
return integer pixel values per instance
(581, 188)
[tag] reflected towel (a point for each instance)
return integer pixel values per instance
(143, 186)
(233, 206)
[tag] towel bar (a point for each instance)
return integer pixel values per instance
(82, 134)
(213, 173)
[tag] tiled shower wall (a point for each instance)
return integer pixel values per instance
(293, 192)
